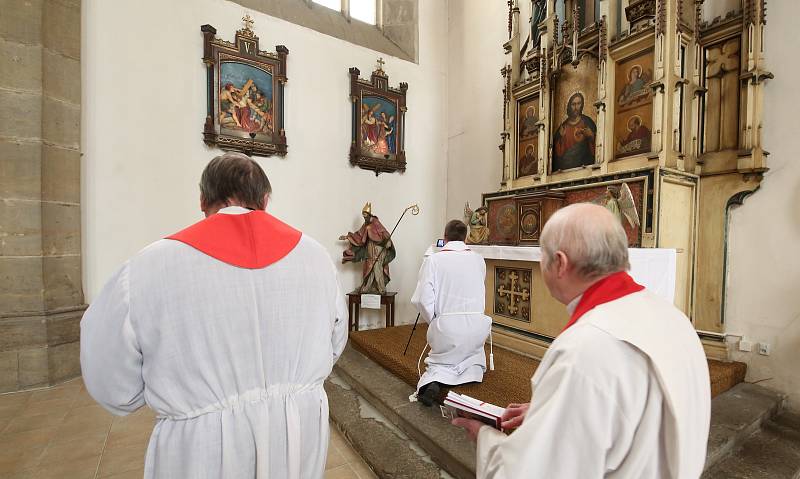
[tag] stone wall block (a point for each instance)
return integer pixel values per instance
(41, 296)
(402, 35)
(399, 12)
(21, 65)
(62, 123)
(9, 374)
(61, 174)
(20, 170)
(62, 281)
(64, 328)
(20, 228)
(33, 368)
(23, 333)
(61, 77)
(21, 21)
(21, 284)
(20, 114)
(61, 28)
(61, 229)
(64, 362)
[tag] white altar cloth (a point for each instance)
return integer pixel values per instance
(653, 268)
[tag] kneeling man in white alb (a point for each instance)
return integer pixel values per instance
(450, 297)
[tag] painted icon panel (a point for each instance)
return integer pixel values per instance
(245, 98)
(378, 126)
(528, 137)
(575, 128)
(633, 119)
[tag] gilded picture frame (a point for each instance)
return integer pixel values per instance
(378, 123)
(245, 94)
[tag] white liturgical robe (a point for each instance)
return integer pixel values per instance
(231, 359)
(450, 296)
(623, 393)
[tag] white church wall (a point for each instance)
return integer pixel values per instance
(475, 102)
(764, 269)
(144, 105)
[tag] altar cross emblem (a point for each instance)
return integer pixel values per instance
(380, 64)
(514, 293)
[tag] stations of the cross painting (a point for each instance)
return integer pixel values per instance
(514, 292)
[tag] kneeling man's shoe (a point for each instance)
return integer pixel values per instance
(431, 394)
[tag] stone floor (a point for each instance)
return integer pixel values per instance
(62, 433)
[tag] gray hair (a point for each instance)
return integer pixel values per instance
(590, 236)
(234, 176)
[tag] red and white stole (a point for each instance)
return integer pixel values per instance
(608, 289)
(253, 240)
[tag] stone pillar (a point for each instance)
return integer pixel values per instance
(41, 298)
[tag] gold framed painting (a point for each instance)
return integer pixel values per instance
(378, 130)
(527, 163)
(574, 116)
(633, 105)
(244, 94)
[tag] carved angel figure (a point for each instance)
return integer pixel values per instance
(477, 221)
(619, 201)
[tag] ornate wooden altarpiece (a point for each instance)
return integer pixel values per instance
(648, 111)
(379, 112)
(245, 93)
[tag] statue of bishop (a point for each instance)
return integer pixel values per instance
(373, 245)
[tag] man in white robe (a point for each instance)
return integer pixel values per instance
(450, 298)
(226, 330)
(623, 391)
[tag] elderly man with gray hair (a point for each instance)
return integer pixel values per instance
(623, 391)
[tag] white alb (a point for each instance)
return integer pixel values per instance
(623, 393)
(450, 297)
(232, 360)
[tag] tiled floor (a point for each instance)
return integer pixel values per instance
(62, 433)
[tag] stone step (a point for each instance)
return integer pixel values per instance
(735, 416)
(388, 451)
(772, 452)
(448, 446)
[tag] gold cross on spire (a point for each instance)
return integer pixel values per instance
(380, 63)
(248, 22)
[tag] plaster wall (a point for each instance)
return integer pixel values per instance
(143, 112)
(762, 300)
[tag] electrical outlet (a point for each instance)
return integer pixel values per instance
(764, 349)
(745, 345)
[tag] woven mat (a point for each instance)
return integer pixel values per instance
(508, 383)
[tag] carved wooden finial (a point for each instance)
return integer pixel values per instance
(603, 44)
(380, 64)
(510, 16)
(248, 22)
(661, 17)
(576, 17)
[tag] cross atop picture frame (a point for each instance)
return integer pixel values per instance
(245, 93)
(378, 141)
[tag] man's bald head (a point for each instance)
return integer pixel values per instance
(590, 237)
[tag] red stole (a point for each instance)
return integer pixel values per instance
(608, 289)
(252, 240)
